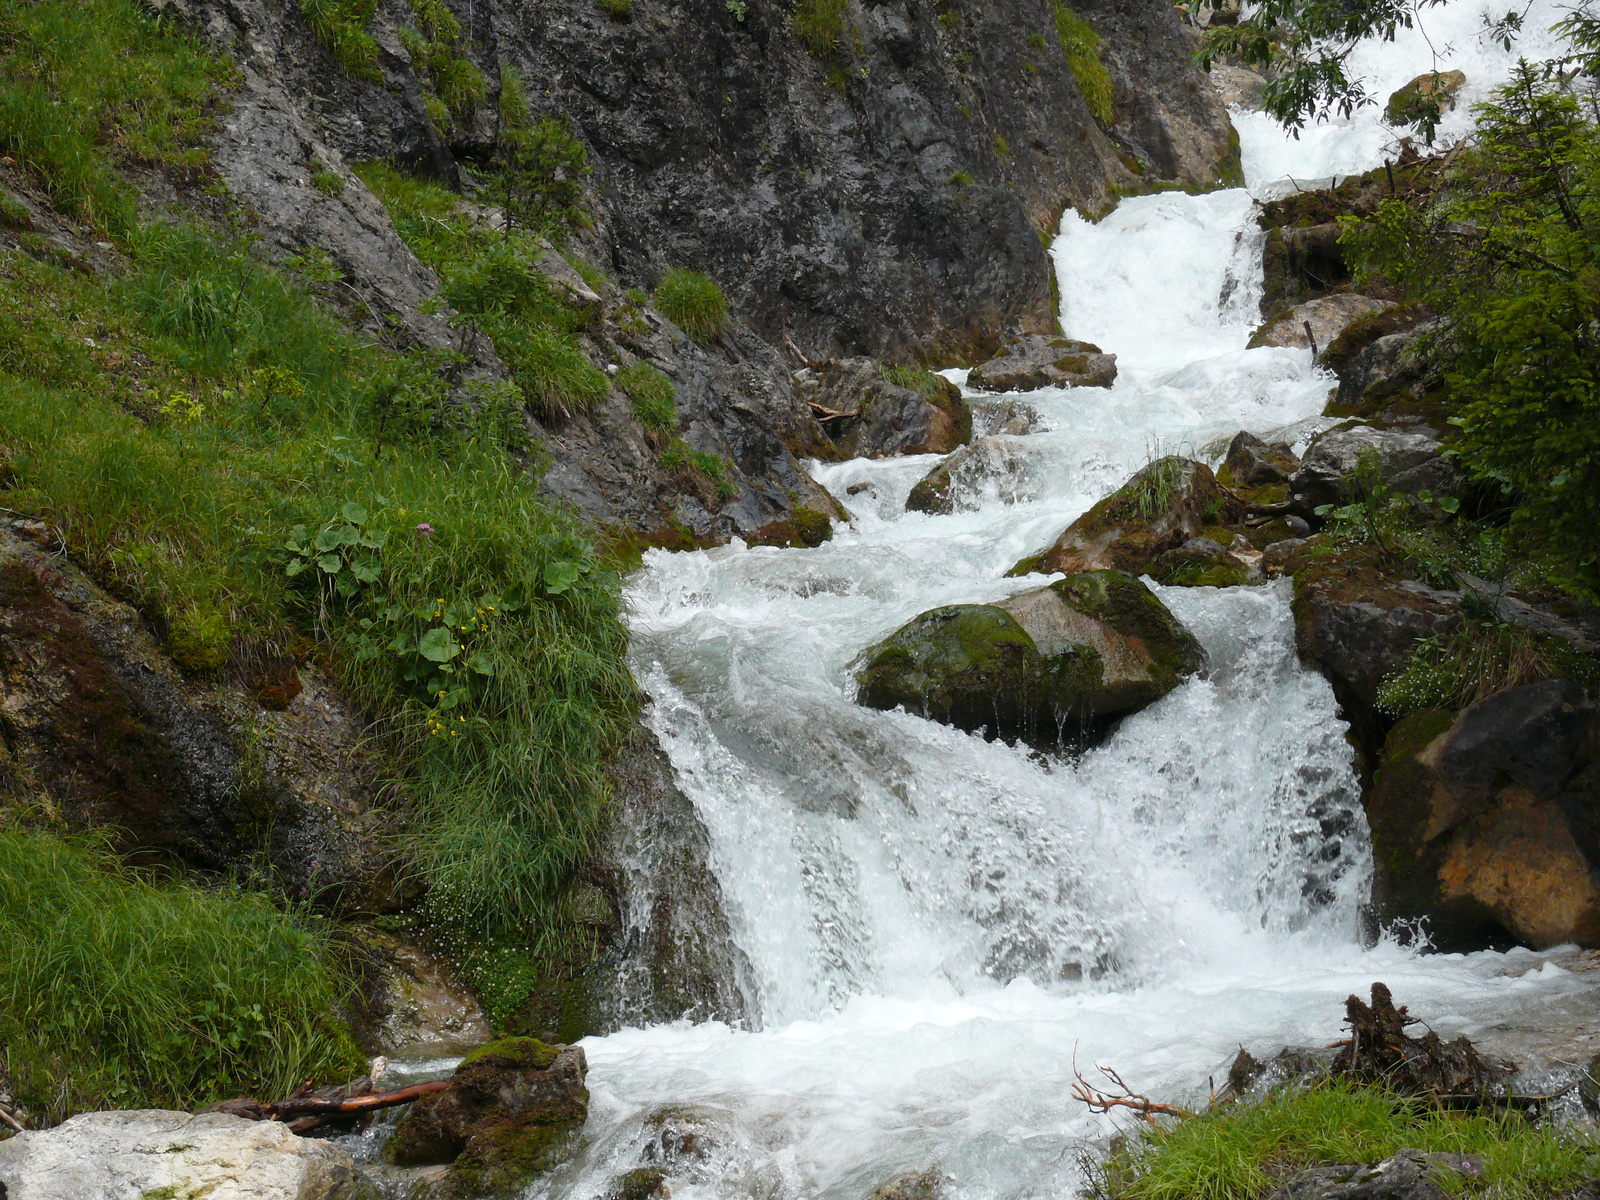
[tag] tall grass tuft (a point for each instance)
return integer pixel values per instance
(822, 25)
(116, 991)
(692, 302)
(1081, 46)
(654, 397)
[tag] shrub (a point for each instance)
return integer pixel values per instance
(120, 992)
(692, 302)
(821, 25)
(1081, 46)
(341, 27)
(1457, 669)
(541, 179)
(513, 99)
(654, 398)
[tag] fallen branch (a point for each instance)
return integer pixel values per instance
(825, 414)
(307, 1106)
(10, 1120)
(1102, 1101)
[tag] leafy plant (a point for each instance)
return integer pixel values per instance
(692, 302)
(458, 85)
(542, 167)
(822, 25)
(1457, 669)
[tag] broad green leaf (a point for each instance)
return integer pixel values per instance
(482, 663)
(330, 563)
(559, 575)
(354, 513)
(437, 645)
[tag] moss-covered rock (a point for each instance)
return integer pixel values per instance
(1040, 361)
(1425, 99)
(1159, 509)
(512, 1110)
(1048, 665)
(804, 527)
(1199, 562)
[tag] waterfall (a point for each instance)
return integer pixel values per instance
(939, 927)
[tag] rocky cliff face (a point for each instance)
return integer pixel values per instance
(886, 197)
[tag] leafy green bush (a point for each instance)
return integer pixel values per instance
(1246, 1148)
(341, 26)
(692, 302)
(121, 993)
(654, 397)
(821, 25)
(542, 167)
(1081, 46)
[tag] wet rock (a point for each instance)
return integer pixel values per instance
(1384, 372)
(1358, 624)
(1300, 263)
(1199, 562)
(1278, 557)
(151, 1153)
(925, 1185)
(802, 527)
(1404, 460)
(1041, 361)
(642, 1183)
(1484, 822)
(1009, 416)
(512, 1110)
(1083, 650)
(896, 420)
(1397, 1178)
(1326, 316)
(1425, 99)
(1160, 508)
(1251, 462)
(102, 726)
(419, 1009)
(955, 482)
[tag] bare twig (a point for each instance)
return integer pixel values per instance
(1101, 1100)
(11, 1121)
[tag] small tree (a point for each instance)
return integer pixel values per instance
(542, 170)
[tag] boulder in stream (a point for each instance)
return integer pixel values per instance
(512, 1109)
(155, 1153)
(1487, 822)
(1049, 665)
(1040, 361)
(1409, 459)
(1163, 506)
(1326, 316)
(1251, 462)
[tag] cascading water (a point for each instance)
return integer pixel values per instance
(939, 926)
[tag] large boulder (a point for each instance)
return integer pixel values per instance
(1045, 665)
(880, 418)
(149, 1153)
(1487, 822)
(1251, 462)
(1326, 317)
(511, 1110)
(1425, 99)
(1402, 459)
(1163, 505)
(1039, 361)
(957, 481)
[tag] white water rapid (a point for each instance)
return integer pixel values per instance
(938, 925)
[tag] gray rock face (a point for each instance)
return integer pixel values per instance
(1406, 1176)
(1327, 317)
(1041, 361)
(102, 724)
(957, 482)
(882, 419)
(1389, 369)
(1407, 460)
(150, 1152)
(1047, 665)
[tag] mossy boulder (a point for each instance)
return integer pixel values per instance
(512, 1110)
(953, 483)
(1161, 507)
(1040, 361)
(1425, 99)
(1482, 821)
(1326, 317)
(1251, 462)
(1050, 665)
(1199, 562)
(803, 527)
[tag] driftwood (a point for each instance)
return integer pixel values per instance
(1100, 1100)
(825, 414)
(309, 1108)
(1380, 1051)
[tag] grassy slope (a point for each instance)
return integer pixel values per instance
(222, 451)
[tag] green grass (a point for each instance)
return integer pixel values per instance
(822, 25)
(488, 276)
(1081, 46)
(120, 992)
(617, 10)
(692, 302)
(341, 27)
(654, 398)
(1245, 1150)
(1454, 670)
(86, 87)
(680, 456)
(917, 380)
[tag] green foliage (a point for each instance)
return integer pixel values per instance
(617, 10)
(329, 183)
(917, 379)
(1081, 46)
(1246, 1148)
(85, 86)
(692, 302)
(961, 179)
(654, 398)
(542, 167)
(822, 25)
(456, 86)
(1457, 669)
(341, 26)
(680, 456)
(514, 113)
(116, 992)
(1509, 252)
